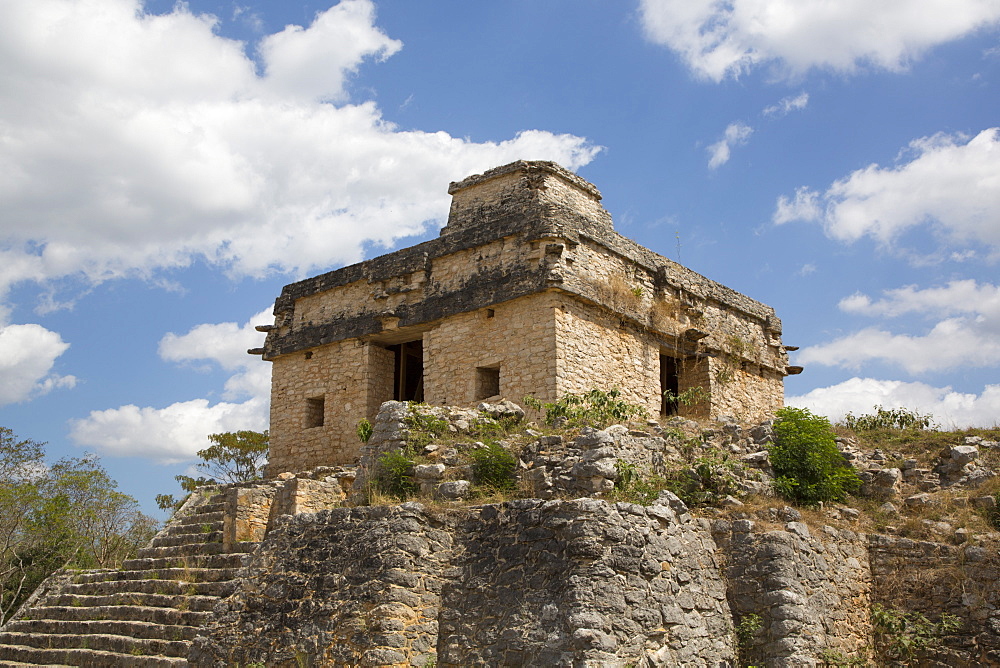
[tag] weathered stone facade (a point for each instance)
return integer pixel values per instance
(528, 291)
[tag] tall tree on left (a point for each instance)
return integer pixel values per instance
(69, 513)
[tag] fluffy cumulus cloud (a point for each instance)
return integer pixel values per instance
(949, 182)
(177, 432)
(736, 134)
(131, 142)
(950, 409)
(27, 355)
(719, 39)
(965, 330)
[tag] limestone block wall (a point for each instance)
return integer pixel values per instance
(584, 582)
(516, 337)
(594, 350)
(748, 392)
(317, 398)
(527, 582)
(346, 587)
(811, 593)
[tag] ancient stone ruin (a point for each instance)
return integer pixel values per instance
(528, 291)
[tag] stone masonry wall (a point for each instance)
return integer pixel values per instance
(560, 583)
(563, 583)
(337, 374)
(351, 586)
(746, 391)
(812, 594)
(583, 583)
(518, 337)
(592, 346)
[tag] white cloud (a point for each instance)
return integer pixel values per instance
(736, 134)
(787, 105)
(966, 334)
(860, 395)
(950, 183)
(177, 432)
(166, 435)
(27, 355)
(719, 39)
(132, 142)
(960, 296)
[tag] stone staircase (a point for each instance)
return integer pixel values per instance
(145, 614)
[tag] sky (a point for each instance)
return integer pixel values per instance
(165, 168)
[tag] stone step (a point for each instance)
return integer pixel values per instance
(199, 518)
(212, 506)
(193, 602)
(137, 630)
(220, 560)
(20, 655)
(165, 587)
(199, 538)
(174, 574)
(189, 550)
(136, 613)
(100, 642)
(192, 529)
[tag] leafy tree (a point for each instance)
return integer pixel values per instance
(66, 514)
(234, 456)
(807, 465)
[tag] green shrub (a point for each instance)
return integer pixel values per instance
(899, 635)
(394, 474)
(746, 631)
(595, 408)
(707, 480)
(364, 430)
(493, 466)
(894, 418)
(807, 465)
(633, 487)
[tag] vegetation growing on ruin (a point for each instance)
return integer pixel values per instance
(594, 408)
(493, 466)
(809, 468)
(900, 636)
(364, 430)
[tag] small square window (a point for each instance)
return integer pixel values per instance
(487, 382)
(315, 412)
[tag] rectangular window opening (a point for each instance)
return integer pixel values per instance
(315, 412)
(487, 382)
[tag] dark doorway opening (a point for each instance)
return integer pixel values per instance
(408, 374)
(669, 384)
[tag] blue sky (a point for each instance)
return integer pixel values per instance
(166, 168)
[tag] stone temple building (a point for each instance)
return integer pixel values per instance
(527, 291)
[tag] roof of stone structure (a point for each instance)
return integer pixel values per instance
(523, 209)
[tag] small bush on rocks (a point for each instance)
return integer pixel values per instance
(395, 474)
(595, 408)
(900, 636)
(494, 466)
(808, 467)
(364, 430)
